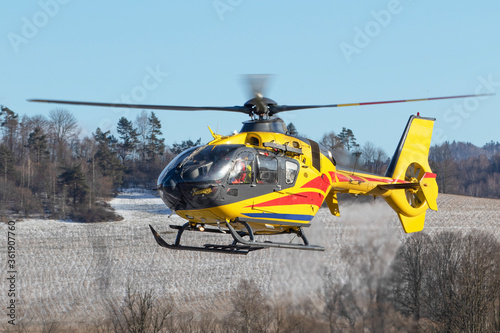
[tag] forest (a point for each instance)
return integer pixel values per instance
(49, 170)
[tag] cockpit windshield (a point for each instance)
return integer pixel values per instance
(174, 163)
(204, 163)
(207, 163)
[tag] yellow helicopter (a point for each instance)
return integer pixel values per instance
(264, 181)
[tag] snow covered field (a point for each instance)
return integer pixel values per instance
(71, 271)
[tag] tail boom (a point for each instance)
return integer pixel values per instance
(409, 186)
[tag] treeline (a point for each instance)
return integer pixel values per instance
(347, 152)
(466, 169)
(447, 282)
(48, 169)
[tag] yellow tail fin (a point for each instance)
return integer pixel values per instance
(410, 164)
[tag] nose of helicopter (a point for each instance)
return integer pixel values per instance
(192, 180)
(181, 195)
(171, 194)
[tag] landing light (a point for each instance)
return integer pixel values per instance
(201, 228)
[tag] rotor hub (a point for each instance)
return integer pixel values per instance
(260, 106)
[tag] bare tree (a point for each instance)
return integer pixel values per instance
(142, 124)
(142, 312)
(408, 275)
(444, 164)
(449, 282)
(341, 309)
(375, 158)
(64, 125)
(478, 283)
(331, 141)
(251, 309)
(64, 122)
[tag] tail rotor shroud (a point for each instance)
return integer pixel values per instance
(415, 196)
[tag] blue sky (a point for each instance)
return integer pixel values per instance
(322, 52)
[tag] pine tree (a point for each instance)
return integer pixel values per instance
(291, 129)
(9, 123)
(155, 144)
(129, 138)
(37, 144)
(347, 139)
(178, 148)
(73, 179)
(6, 163)
(106, 156)
(7, 185)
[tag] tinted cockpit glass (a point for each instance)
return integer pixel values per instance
(174, 163)
(208, 163)
(204, 163)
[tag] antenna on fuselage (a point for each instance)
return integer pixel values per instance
(356, 154)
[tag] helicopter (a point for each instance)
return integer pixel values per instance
(264, 181)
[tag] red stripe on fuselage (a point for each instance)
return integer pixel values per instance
(341, 177)
(304, 198)
(346, 179)
(320, 183)
(383, 180)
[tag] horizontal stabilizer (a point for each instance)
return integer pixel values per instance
(398, 186)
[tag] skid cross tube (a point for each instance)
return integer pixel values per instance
(239, 239)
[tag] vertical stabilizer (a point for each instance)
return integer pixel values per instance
(410, 164)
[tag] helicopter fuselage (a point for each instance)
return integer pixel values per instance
(257, 177)
(271, 180)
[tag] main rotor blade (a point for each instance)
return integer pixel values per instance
(241, 109)
(273, 109)
(281, 108)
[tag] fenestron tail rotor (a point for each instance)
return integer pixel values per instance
(415, 196)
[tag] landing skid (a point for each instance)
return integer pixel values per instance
(239, 245)
(232, 249)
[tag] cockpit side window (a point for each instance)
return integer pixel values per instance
(291, 171)
(267, 172)
(243, 169)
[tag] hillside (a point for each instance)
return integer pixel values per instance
(71, 271)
